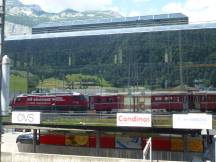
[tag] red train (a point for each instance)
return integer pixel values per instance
(136, 102)
(51, 102)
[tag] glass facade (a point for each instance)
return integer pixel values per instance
(147, 57)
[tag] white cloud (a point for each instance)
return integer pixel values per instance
(112, 8)
(134, 13)
(80, 5)
(140, 1)
(196, 10)
(125, 13)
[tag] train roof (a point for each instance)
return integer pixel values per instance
(169, 92)
(183, 27)
(142, 93)
(51, 94)
(205, 92)
(138, 93)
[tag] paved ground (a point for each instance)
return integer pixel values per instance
(8, 141)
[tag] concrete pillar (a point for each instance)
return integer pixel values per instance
(5, 100)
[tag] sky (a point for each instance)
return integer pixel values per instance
(197, 10)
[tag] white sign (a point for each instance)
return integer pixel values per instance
(24, 117)
(192, 121)
(134, 120)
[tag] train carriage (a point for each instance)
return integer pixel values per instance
(170, 100)
(106, 102)
(205, 101)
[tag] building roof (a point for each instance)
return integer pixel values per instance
(184, 27)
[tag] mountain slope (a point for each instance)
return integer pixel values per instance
(31, 15)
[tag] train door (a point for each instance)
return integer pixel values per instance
(147, 102)
(120, 102)
(127, 103)
(185, 103)
(144, 103)
(91, 102)
(191, 99)
(136, 101)
(197, 102)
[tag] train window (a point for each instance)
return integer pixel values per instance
(214, 98)
(109, 99)
(168, 99)
(76, 98)
(209, 98)
(201, 98)
(205, 98)
(82, 97)
(175, 99)
(158, 98)
(185, 99)
(98, 100)
(197, 99)
(18, 99)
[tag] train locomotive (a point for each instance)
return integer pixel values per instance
(62, 102)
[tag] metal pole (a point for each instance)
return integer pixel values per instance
(185, 153)
(98, 142)
(34, 140)
(214, 154)
(150, 141)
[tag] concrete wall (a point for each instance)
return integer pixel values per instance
(31, 157)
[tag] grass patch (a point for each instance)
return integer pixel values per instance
(51, 83)
(18, 83)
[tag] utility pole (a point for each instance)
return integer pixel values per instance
(2, 25)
